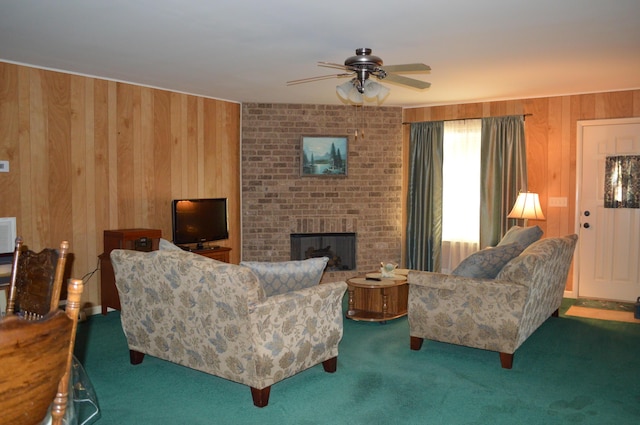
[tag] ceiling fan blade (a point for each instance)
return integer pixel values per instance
(407, 67)
(318, 78)
(333, 65)
(406, 81)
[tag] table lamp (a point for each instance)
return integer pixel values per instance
(527, 207)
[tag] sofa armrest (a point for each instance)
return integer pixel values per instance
(481, 313)
(296, 330)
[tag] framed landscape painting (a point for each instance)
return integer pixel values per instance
(324, 156)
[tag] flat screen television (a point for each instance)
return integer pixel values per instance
(198, 221)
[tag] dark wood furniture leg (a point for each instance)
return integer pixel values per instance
(506, 360)
(136, 357)
(260, 397)
(416, 343)
(330, 365)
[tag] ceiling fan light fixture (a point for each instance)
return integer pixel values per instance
(375, 91)
(349, 93)
(355, 96)
(344, 89)
(371, 91)
(383, 93)
(371, 88)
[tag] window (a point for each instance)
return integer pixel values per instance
(460, 192)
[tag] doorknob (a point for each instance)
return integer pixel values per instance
(586, 225)
(587, 213)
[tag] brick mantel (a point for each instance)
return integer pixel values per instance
(277, 201)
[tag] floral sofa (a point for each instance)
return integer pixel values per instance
(216, 317)
(496, 314)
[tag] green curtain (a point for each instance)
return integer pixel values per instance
(503, 174)
(424, 203)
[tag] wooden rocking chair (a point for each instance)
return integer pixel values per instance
(36, 280)
(36, 360)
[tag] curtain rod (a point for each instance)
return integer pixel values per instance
(473, 118)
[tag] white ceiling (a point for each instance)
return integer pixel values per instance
(246, 50)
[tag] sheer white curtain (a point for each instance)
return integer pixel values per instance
(461, 192)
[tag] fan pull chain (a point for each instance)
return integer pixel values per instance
(357, 122)
(362, 121)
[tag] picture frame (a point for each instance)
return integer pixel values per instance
(324, 156)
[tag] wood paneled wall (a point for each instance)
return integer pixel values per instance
(88, 155)
(551, 137)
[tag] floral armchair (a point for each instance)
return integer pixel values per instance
(216, 317)
(492, 314)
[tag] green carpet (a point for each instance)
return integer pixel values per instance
(571, 371)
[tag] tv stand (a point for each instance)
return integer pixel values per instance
(133, 239)
(220, 253)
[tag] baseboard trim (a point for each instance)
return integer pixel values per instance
(97, 309)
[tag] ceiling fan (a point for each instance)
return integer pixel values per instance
(361, 67)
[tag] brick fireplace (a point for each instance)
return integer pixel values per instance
(278, 202)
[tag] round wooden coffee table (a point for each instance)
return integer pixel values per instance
(373, 298)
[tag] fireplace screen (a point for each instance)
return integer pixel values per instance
(340, 248)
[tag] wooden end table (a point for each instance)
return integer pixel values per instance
(373, 298)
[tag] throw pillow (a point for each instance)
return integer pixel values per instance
(165, 245)
(488, 262)
(281, 277)
(525, 236)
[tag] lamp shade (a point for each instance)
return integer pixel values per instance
(348, 92)
(344, 89)
(355, 96)
(375, 91)
(527, 206)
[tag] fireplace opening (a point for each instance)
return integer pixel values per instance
(340, 248)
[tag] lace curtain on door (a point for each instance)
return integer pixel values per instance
(622, 182)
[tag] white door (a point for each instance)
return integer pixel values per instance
(609, 238)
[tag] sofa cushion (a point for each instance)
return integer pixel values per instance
(525, 236)
(281, 277)
(488, 262)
